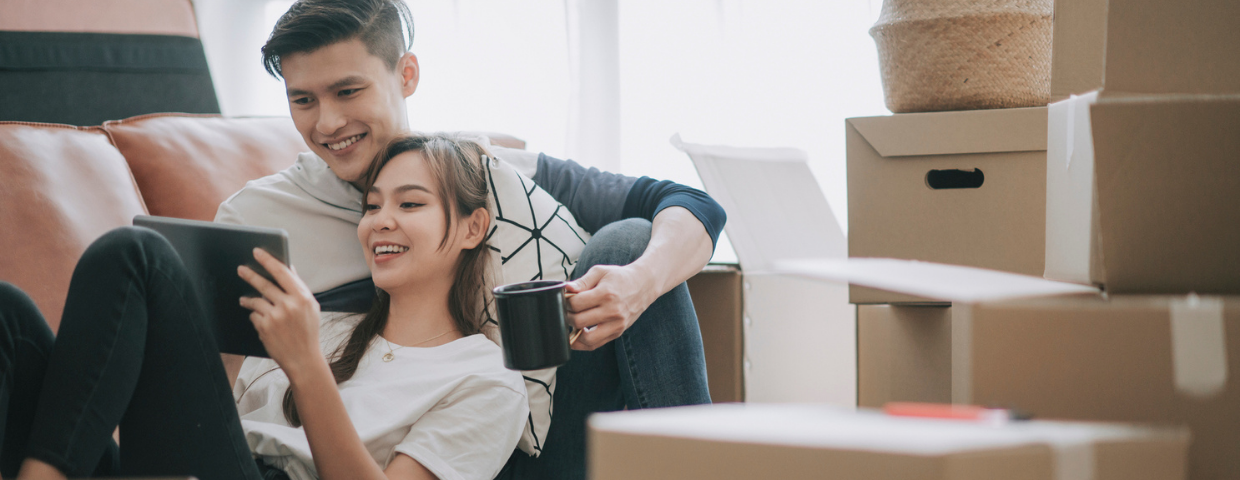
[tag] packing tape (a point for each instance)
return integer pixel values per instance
(1074, 460)
(1198, 345)
(1069, 139)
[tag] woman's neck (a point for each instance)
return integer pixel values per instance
(418, 315)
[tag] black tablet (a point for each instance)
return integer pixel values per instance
(211, 253)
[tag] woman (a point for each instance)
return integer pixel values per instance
(411, 390)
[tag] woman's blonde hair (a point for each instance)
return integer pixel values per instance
(458, 167)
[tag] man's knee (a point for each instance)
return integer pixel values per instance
(618, 243)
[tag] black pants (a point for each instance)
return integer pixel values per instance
(133, 350)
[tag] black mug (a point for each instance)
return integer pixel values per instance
(533, 324)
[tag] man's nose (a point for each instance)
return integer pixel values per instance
(331, 118)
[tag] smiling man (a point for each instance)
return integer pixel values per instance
(347, 71)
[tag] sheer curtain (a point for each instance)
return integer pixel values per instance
(607, 82)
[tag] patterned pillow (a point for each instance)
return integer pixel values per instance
(532, 237)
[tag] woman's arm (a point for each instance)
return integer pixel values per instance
(287, 320)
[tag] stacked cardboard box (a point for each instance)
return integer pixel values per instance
(1142, 201)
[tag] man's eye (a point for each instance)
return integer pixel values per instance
(300, 100)
(348, 91)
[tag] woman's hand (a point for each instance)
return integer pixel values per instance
(286, 316)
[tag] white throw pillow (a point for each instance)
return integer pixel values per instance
(532, 237)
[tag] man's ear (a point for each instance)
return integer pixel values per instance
(475, 228)
(409, 71)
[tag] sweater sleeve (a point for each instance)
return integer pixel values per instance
(648, 197)
(597, 198)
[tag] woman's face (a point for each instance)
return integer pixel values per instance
(403, 225)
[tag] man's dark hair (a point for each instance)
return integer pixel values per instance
(384, 26)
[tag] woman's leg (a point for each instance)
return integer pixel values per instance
(25, 344)
(135, 349)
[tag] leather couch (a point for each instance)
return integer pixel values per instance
(62, 186)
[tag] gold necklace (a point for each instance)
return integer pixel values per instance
(389, 356)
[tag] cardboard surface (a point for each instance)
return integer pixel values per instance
(894, 212)
(1145, 46)
(805, 441)
(1078, 47)
(716, 293)
(1105, 360)
(1144, 193)
(903, 354)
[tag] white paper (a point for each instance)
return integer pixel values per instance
(936, 281)
(776, 210)
(1198, 345)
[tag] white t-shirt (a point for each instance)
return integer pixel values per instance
(454, 408)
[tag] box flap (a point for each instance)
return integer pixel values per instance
(776, 209)
(943, 133)
(936, 281)
(1159, 46)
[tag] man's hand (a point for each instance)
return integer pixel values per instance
(608, 298)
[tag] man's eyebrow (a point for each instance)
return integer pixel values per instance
(346, 81)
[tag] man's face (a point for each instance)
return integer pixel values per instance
(347, 103)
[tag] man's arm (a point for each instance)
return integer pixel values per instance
(685, 227)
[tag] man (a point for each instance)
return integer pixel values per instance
(348, 71)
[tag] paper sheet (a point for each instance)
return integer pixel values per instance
(935, 281)
(775, 207)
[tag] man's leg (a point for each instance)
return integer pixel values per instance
(657, 362)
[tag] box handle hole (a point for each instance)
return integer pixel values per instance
(945, 179)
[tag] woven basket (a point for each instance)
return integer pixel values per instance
(941, 55)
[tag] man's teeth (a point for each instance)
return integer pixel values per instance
(390, 249)
(344, 143)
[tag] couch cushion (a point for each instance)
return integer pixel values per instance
(187, 164)
(61, 188)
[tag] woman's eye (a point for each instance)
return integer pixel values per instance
(410, 205)
(370, 207)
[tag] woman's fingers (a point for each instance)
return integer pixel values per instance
(265, 288)
(258, 305)
(285, 277)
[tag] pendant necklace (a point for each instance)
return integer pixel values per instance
(390, 355)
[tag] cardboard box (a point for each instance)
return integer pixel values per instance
(1122, 359)
(903, 354)
(1143, 193)
(894, 211)
(1165, 359)
(800, 337)
(716, 293)
(795, 442)
(1145, 46)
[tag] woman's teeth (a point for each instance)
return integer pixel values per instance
(380, 250)
(344, 143)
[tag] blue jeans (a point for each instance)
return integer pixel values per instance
(657, 362)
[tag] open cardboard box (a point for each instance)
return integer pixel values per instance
(966, 188)
(1145, 46)
(1143, 192)
(815, 442)
(1061, 350)
(799, 335)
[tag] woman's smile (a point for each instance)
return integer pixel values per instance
(387, 251)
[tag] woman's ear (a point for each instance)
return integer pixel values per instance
(475, 227)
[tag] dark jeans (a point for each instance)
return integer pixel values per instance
(657, 362)
(133, 350)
